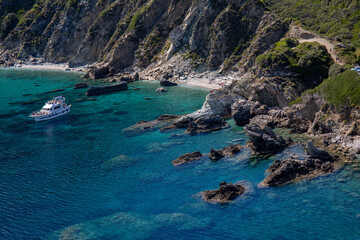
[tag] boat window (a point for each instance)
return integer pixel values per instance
(56, 107)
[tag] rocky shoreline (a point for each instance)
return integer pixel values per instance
(252, 61)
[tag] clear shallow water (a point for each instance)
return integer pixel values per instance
(80, 177)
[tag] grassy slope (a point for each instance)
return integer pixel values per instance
(310, 60)
(342, 90)
(336, 19)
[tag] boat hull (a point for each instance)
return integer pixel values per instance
(48, 117)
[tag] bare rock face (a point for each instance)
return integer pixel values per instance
(243, 111)
(264, 140)
(225, 194)
(285, 171)
(284, 118)
(188, 157)
(231, 150)
(101, 72)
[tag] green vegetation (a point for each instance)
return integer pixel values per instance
(8, 24)
(72, 3)
(10, 13)
(342, 90)
(310, 60)
(134, 20)
(336, 19)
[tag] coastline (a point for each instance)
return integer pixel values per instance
(200, 83)
(203, 83)
(48, 66)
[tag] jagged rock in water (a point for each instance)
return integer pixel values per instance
(264, 140)
(146, 126)
(216, 154)
(285, 171)
(80, 85)
(231, 150)
(317, 153)
(98, 90)
(243, 111)
(206, 124)
(167, 83)
(188, 157)
(225, 194)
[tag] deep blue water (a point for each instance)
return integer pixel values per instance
(81, 177)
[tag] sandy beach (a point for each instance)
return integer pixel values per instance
(204, 82)
(48, 66)
(201, 83)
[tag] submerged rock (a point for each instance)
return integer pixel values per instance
(98, 90)
(285, 171)
(55, 90)
(80, 85)
(226, 193)
(231, 150)
(188, 157)
(264, 140)
(317, 153)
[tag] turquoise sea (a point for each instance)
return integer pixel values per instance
(81, 177)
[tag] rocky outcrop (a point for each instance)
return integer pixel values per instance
(318, 162)
(98, 90)
(243, 111)
(101, 72)
(316, 153)
(201, 124)
(225, 194)
(188, 157)
(167, 83)
(264, 141)
(288, 170)
(146, 126)
(283, 118)
(231, 150)
(144, 34)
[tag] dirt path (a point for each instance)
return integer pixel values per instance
(306, 36)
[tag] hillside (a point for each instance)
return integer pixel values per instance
(137, 33)
(337, 19)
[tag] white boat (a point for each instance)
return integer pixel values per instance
(52, 109)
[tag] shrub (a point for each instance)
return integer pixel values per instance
(8, 24)
(310, 60)
(342, 90)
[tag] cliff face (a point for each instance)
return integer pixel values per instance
(210, 34)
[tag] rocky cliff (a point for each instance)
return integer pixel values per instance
(204, 34)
